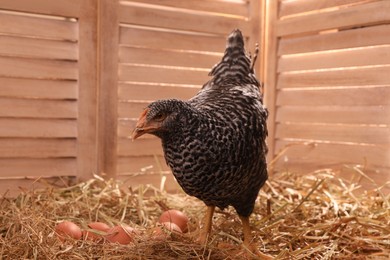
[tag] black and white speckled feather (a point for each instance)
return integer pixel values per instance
(215, 142)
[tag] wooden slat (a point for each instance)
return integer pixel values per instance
(68, 8)
(360, 37)
(170, 40)
(234, 8)
(38, 167)
(347, 58)
(33, 88)
(139, 147)
(136, 73)
(169, 58)
(335, 154)
(335, 133)
(41, 69)
(341, 97)
(154, 92)
(146, 163)
(37, 148)
(351, 17)
(131, 109)
(38, 48)
(171, 19)
(302, 6)
(346, 77)
(35, 108)
(335, 114)
(37, 128)
(170, 184)
(38, 27)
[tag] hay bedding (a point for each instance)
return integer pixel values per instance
(316, 216)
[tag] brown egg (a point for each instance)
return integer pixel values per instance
(121, 234)
(68, 230)
(175, 216)
(99, 226)
(163, 231)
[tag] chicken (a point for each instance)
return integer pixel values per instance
(215, 142)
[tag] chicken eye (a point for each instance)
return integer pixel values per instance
(159, 117)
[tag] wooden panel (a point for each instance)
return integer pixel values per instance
(145, 163)
(235, 8)
(150, 146)
(347, 58)
(171, 19)
(351, 17)
(38, 48)
(335, 114)
(37, 26)
(360, 37)
(131, 109)
(33, 88)
(341, 97)
(38, 108)
(37, 128)
(171, 40)
(322, 154)
(154, 92)
(69, 8)
(31, 68)
(346, 77)
(334, 133)
(38, 167)
(170, 184)
(302, 6)
(170, 58)
(37, 148)
(162, 75)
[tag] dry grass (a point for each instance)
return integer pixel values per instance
(317, 216)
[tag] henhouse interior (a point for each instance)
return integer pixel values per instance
(145, 129)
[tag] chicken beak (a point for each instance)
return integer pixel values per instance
(140, 127)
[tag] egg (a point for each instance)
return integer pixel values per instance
(98, 226)
(163, 231)
(121, 234)
(68, 230)
(175, 216)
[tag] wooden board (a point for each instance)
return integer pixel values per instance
(48, 28)
(35, 88)
(154, 180)
(38, 48)
(169, 58)
(375, 115)
(370, 76)
(175, 75)
(369, 56)
(37, 148)
(160, 39)
(21, 167)
(35, 108)
(131, 109)
(335, 133)
(350, 17)
(154, 92)
(233, 8)
(172, 19)
(44, 128)
(38, 68)
(146, 163)
(139, 147)
(359, 37)
(362, 96)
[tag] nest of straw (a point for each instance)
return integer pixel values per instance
(316, 216)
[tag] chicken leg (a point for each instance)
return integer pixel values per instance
(248, 240)
(207, 222)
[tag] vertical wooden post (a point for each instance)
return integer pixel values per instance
(270, 76)
(108, 39)
(255, 15)
(87, 116)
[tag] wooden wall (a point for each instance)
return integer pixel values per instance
(75, 75)
(328, 84)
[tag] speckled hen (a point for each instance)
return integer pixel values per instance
(215, 142)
